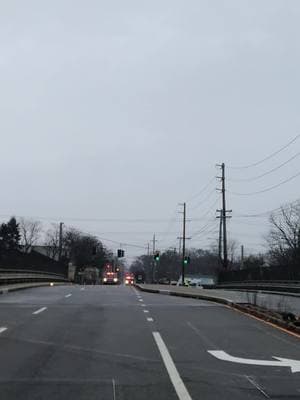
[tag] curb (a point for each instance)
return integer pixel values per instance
(258, 314)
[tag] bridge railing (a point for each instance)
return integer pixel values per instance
(10, 276)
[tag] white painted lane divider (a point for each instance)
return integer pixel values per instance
(68, 295)
(141, 300)
(282, 362)
(39, 311)
(3, 329)
(150, 319)
(176, 380)
(145, 311)
(143, 305)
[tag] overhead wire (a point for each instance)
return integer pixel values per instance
(267, 189)
(264, 174)
(268, 157)
(201, 191)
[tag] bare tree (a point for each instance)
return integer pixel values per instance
(284, 236)
(30, 231)
(52, 241)
(233, 246)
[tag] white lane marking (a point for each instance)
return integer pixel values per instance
(82, 288)
(141, 300)
(176, 380)
(3, 329)
(143, 305)
(39, 311)
(114, 389)
(145, 311)
(68, 295)
(256, 385)
(150, 319)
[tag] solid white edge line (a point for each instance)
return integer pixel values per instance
(39, 311)
(3, 329)
(176, 380)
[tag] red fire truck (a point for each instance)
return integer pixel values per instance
(109, 276)
(129, 278)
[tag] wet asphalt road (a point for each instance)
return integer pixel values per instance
(71, 342)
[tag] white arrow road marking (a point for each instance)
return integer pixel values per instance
(282, 362)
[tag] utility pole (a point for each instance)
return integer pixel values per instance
(242, 256)
(220, 236)
(148, 249)
(60, 240)
(183, 243)
(224, 217)
(154, 240)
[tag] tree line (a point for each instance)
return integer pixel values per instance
(80, 248)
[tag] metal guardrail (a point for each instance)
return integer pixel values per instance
(9, 276)
(276, 286)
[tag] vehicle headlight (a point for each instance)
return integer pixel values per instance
(104, 279)
(115, 279)
(51, 284)
(126, 281)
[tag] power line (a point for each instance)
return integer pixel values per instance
(266, 173)
(268, 157)
(204, 200)
(202, 190)
(266, 213)
(267, 189)
(203, 229)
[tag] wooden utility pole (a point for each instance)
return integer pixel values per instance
(183, 238)
(60, 241)
(224, 216)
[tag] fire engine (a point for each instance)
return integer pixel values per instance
(129, 278)
(109, 277)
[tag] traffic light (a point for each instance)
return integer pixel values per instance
(156, 256)
(121, 253)
(186, 260)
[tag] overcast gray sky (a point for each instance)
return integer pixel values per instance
(121, 109)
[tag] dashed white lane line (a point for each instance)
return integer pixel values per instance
(145, 311)
(39, 311)
(68, 295)
(3, 329)
(141, 300)
(176, 380)
(143, 305)
(150, 319)
(82, 288)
